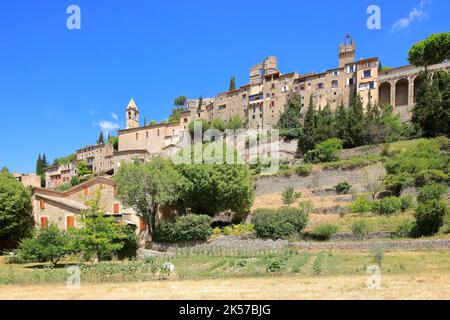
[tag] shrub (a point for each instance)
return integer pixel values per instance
(324, 231)
(406, 202)
(343, 187)
(130, 244)
(429, 176)
(304, 170)
(289, 196)
(362, 204)
(49, 244)
(432, 191)
(360, 228)
(326, 151)
(280, 223)
(239, 229)
(386, 206)
(404, 228)
(430, 217)
(185, 228)
(277, 262)
(217, 231)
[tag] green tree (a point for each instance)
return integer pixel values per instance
(325, 125)
(218, 124)
(180, 101)
(144, 187)
(232, 83)
(213, 188)
(355, 123)
(235, 123)
(205, 125)
(289, 123)
(341, 124)
(16, 216)
(100, 236)
(39, 169)
(200, 104)
(288, 196)
(434, 49)
(101, 138)
(83, 169)
(432, 109)
(307, 138)
(48, 244)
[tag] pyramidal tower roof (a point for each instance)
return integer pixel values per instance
(132, 105)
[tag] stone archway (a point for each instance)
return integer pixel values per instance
(401, 92)
(384, 93)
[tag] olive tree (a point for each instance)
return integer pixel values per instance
(146, 186)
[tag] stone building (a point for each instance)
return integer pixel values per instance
(64, 208)
(59, 174)
(99, 158)
(28, 180)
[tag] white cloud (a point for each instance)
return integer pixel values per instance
(108, 126)
(114, 116)
(413, 15)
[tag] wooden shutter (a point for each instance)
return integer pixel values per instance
(44, 223)
(116, 208)
(70, 221)
(42, 204)
(142, 225)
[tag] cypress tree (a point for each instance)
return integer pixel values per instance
(307, 136)
(232, 83)
(101, 139)
(39, 168)
(325, 125)
(356, 122)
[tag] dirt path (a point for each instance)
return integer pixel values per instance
(417, 286)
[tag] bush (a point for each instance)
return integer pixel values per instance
(406, 202)
(362, 204)
(49, 244)
(343, 187)
(432, 191)
(429, 176)
(277, 262)
(288, 196)
(304, 170)
(360, 228)
(324, 231)
(280, 223)
(239, 230)
(430, 217)
(185, 228)
(386, 206)
(130, 244)
(404, 228)
(326, 151)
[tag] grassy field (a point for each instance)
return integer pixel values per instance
(283, 275)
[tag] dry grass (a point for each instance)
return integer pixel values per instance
(418, 286)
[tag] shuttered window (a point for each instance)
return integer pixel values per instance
(116, 208)
(142, 225)
(44, 222)
(42, 204)
(70, 221)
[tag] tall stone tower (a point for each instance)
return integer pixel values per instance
(347, 51)
(132, 115)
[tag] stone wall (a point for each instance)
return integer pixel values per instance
(319, 180)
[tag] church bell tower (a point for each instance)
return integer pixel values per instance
(132, 115)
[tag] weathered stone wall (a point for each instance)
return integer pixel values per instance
(319, 180)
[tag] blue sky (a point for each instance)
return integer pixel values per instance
(58, 86)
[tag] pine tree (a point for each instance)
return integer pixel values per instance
(232, 83)
(200, 104)
(101, 139)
